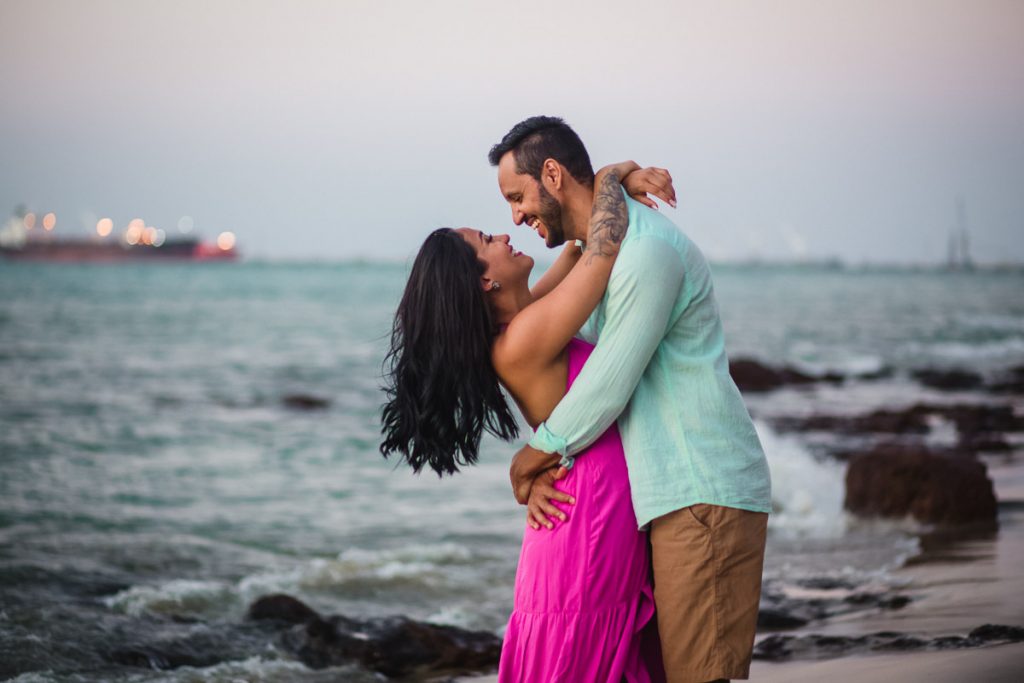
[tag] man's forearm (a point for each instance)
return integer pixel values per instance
(641, 298)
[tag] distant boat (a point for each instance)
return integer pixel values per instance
(19, 242)
(90, 250)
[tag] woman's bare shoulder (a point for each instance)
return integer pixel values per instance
(509, 351)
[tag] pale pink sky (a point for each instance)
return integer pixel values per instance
(314, 128)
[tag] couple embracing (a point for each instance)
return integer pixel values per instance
(646, 487)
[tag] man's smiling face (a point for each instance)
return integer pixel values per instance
(530, 202)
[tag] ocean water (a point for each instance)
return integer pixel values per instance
(153, 481)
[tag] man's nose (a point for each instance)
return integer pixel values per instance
(518, 216)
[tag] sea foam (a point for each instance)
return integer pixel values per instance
(807, 493)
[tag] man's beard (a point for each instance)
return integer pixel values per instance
(550, 214)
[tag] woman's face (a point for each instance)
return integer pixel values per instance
(504, 264)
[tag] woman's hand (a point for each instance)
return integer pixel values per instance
(540, 508)
(642, 182)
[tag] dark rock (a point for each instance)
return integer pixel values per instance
(976, 419)
(779, 612)
(901, 642)
(825, 583)
(878, 422)
(282, 608)
(979, 427)
(778, 620)
(393, 646)
(894, 481)
(874, 600)
(305, 402)
(773, 648)
(948, 380)
(952, 643)
(752, 376)
(815, 646)
(895, 602)
(994, 632)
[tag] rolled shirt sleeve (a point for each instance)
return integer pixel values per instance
(642, 293)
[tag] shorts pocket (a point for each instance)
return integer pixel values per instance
(699, 515)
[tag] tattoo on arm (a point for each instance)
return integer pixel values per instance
(609, 219)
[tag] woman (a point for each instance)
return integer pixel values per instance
(467, 321)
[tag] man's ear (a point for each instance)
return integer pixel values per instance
(551, 176)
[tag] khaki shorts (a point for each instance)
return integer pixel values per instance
(707, 563)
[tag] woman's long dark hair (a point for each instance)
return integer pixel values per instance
(441, 387)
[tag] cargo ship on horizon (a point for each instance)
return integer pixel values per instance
(22, 240)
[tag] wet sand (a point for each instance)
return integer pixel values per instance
(956, 585)
(989, 664)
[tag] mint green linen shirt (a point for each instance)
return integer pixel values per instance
(660, 368)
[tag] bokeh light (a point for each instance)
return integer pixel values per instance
(29, 220)
(159, 237)
(49, 221)
(104, 227)
(226, 240)
(134, 233)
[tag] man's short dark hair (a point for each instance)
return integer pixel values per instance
(545, 137)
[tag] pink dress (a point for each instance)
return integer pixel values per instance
(584, 606)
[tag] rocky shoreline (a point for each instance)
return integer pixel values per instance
(892, 471)
(954, 490)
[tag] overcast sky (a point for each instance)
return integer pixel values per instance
(795, 128)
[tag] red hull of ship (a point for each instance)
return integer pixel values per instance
(88, 251)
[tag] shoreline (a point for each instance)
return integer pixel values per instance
(956, 585)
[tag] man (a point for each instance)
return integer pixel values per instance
(698, 475)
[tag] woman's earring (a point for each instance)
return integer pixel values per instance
(495, 285)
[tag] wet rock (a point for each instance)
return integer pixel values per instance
(282, 608)
(896, 481)
(393, 646)
(873, 600)
(911, 421)
(779, 612)
(996, 632)
(948, 380)
(752, 376)
(814, 646)
(305, 402)
(974, 419)
(979, 426)
(778, 620)
(825, 583)
(895, 602)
